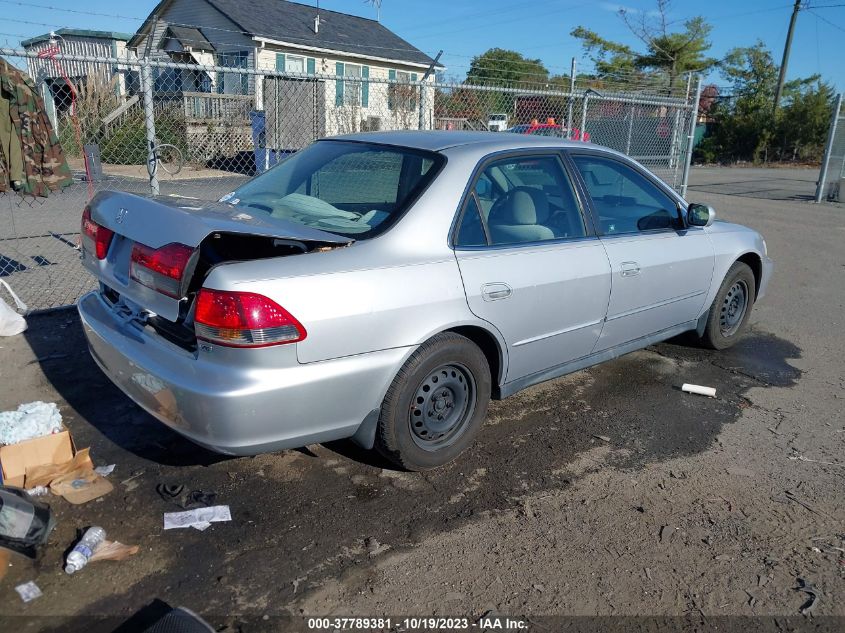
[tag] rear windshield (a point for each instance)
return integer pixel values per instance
(349, 188)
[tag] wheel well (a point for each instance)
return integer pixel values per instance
(489, 347)
(753, 261)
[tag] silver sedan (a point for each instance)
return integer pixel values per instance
(384, 286)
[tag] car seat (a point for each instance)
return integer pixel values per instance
(518, 216)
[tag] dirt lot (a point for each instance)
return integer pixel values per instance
(695, 508)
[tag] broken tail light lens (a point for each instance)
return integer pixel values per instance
(161, 269)
(99, 236)
(244, 319)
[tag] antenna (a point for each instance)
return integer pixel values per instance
(377, 5)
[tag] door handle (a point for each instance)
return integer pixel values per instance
(630, 269)
(496, 291)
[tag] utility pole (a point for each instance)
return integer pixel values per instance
(786, 48)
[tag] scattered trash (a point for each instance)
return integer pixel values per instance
(29, 421)
(130, 483)
(813, 594)
(199, 518)
(698, 389)
(603, 438)
(184, 499)
(11, 322)
(19, 459)
(24, 524)
(113, 550)
(38, 491)
(801, 458)
(81, 485)
(28, 591)
(105, 471)
(374, 548)
(82, 551)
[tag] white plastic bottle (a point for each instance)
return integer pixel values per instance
(83, 551)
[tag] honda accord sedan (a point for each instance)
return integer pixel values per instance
(385, 286)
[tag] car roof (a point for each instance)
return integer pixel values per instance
(436, 140)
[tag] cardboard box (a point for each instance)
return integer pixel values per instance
(49, 449)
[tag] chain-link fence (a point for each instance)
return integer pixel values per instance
(831, 184)
(199, 131)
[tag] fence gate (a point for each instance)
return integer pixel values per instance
(831, 184)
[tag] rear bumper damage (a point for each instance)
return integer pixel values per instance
(232, 409)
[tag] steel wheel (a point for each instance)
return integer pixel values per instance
(733, 308)
(443, 402)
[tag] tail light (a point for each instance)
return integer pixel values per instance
(100, 236)
(161, 269)
(244, 319)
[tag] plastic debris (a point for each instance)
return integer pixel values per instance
(199, 518)
(698, 389)
(28, 591)
(38, 491)
(84, 550)
(11, 322)
(113, 550)
(105, 471)
(31, 420)
(178, 494)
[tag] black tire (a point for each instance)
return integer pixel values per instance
(731, 309)
(451, 376)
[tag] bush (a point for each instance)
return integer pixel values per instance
(128, 143)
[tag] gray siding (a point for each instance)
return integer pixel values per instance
(218, 29)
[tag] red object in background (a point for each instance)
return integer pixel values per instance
(663, 128)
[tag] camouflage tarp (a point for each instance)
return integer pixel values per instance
(43, 161)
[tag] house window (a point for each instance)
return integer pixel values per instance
(233, 83)
(352, 89)
(402, 95)
(294, 64)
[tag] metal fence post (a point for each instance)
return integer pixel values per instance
(571, 100)
(149, 123)
(584, 117)
(690, 138)
(630, 130)
(828, 149)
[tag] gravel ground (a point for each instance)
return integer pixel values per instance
(605, 493)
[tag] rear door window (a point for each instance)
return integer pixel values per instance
(520, 200)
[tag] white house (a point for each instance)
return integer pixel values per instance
(293, 38)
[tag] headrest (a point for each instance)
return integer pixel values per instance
(522, 205)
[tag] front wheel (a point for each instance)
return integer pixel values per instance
(731, 309)
(436, 404)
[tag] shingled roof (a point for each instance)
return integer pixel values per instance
(294, 23)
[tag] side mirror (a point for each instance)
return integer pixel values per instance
(700, 214)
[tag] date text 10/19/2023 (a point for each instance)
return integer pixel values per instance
(484, 623)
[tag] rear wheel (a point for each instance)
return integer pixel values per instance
(436, 404)
(731, 309)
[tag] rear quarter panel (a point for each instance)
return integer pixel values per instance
(350, 303)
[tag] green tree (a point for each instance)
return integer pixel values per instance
(667, 53)
(502, 67)
(744, 127)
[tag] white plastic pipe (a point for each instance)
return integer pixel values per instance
(702, 391)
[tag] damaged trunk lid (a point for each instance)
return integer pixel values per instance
(152, 253)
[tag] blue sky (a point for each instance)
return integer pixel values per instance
(536, 28)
